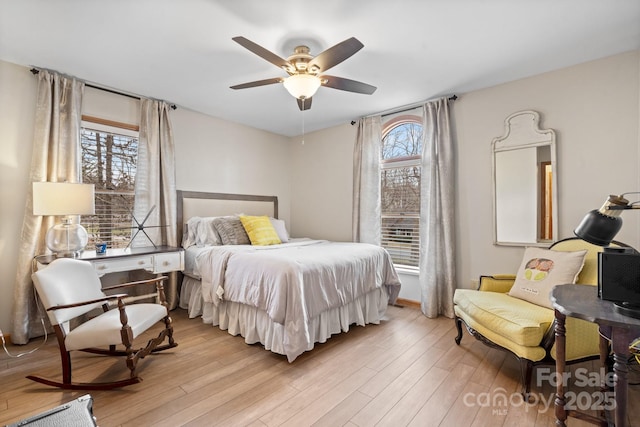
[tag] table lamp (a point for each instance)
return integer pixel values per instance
(65, 199)
(618, 268)
(599, 227)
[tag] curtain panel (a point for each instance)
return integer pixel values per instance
(437, 211)
(366, 182)
(55, 158)
(155, 186)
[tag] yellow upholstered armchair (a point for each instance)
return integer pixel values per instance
(523, 328)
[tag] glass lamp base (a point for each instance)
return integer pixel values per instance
(67, 239)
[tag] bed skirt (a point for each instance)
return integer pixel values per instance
(256, 327)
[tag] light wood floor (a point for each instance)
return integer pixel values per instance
(407, 371)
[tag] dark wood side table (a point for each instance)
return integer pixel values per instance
(582, 302)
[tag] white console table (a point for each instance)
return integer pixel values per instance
(156, 260)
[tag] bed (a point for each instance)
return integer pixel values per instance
(286, 296)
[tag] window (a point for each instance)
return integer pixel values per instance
(400, 189)
(109, 158)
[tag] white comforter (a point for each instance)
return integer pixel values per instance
(294, 282)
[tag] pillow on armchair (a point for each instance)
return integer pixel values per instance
(541, 270)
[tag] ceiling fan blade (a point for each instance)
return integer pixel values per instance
(258, 83)
(341, 83)
(336, 54)
(304, 104)
(263, 53)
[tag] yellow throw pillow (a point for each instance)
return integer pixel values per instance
(260, 230)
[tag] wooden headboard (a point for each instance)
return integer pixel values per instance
(197, 203)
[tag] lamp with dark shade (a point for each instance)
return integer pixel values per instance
(64, 199)
(599, 227)
(618, 268)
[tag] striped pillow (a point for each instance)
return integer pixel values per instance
(230, 230)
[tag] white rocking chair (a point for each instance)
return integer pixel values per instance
(70, 288)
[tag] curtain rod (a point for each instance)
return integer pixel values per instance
(402, 109)
(35, 71)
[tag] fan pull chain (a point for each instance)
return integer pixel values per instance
(303, 121)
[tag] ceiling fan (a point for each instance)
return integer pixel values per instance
(305, 71)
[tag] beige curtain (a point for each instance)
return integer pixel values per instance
(366, 181)
(437, 213)
(156, 183)
(55, 158)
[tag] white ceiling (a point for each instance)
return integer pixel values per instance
(181, 50)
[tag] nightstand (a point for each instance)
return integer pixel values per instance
(156, 260)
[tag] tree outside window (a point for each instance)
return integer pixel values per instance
(400, 190)
(109, 159)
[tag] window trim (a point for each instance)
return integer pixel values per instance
(107, 125)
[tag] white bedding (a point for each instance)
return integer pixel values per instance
(190, 255)
(295, 287)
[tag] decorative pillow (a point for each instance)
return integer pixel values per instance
(231, 231)
(281, 229)
(541, 270)
(190, 232)
(207, 235)
(260, 230)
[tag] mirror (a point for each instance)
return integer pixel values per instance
(524, 183)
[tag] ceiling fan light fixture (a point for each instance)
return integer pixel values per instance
(302, 86)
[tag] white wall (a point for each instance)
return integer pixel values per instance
(219, 156)
(211, 155)
(594, 109)
(17, 111)
(322, 181)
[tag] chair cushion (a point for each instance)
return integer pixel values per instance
(516, 320)
(104, 330)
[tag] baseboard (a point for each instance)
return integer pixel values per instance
(7, 338)
(407, 303)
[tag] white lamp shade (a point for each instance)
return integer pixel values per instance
(302, 86)
(63, 198)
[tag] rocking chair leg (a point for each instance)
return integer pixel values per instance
(68, 384)
(131, 355)
(85, 386)
(126, 334)
(65, 358)
(168, 325)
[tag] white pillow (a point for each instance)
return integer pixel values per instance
(190, 232)
(541, 270)
(207, 235)
(281, 229)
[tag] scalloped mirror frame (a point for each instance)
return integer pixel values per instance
(517, 182)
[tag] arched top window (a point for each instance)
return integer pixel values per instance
(401, 168)
(402, 138)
